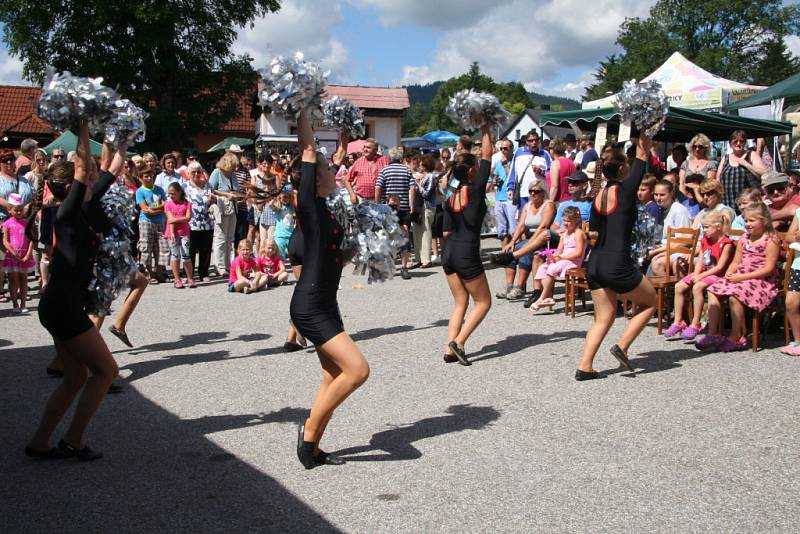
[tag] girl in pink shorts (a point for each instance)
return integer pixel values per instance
(716, 253)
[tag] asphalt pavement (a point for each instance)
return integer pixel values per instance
(202, 439)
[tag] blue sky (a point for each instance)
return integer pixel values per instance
(545, 44)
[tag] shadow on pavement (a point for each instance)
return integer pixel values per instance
(655, 361)
(160, 473)
(519, 342)
(396, 443)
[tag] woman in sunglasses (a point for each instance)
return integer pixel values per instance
(698, 162)
(739, 170)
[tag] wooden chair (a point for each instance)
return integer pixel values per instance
(575, 279)
(779, 301)
(679, 240)
(735, 234)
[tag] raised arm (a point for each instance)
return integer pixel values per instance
(305, 138)
(486, 143)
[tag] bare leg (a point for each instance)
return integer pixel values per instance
(478, 289)
(87, 350)
(345, 355)
(714, 314)
(460, 304)
(138, 284)
(176, 270)
(644, 300)
(680, 300)
(548, 282)
(23, 288)
(793, 313)
(698, 301)
(605, 309)
(737, 319)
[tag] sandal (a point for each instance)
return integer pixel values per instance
(710, 342)
(178, 284)
(791, 350)
(728, 345)
(154, 282)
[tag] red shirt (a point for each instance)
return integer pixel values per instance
(270, 265)
(364, 175)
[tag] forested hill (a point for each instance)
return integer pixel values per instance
(425, 93)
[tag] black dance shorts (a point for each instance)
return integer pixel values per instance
(46, 226)
(462, 258)
(317, 320)
(62, 312)
(437, 228)
(615, 271)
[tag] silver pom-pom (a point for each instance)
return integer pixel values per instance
(472, 110)
(644, 105)
(291, 84)
(376, 238)
(126, 123)
(343, 116)
(66, 99)
(114, 264)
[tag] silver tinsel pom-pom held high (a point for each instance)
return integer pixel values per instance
(343, 116)
(644, 105)
(376, 238)
(291, 84)
(472, 110)
(114, 264)
(66, 99)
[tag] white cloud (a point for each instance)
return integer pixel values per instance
(10, 69)
(530, 42)
(793, 44)
(305, 25)
(443, 14)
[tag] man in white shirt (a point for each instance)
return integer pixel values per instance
(530, 163)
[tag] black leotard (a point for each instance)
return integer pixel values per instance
(610, 263)
(462, 249)
(62, 306)
(295, 248)
(314, 309)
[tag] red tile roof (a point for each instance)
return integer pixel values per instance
(372, 97)
(17, 110)
(242, 122)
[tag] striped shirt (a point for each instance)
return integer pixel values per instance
(396, 179)
(364, 173)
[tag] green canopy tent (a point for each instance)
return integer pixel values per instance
(228, 141)
(682, 124)
(68, 142)
(788, 89)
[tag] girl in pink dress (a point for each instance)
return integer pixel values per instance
(568, 255)
(19, 253)
(751, 280)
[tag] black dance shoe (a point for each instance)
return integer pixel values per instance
(324, 458)
(501, 258)
(449, 358)
(587, 375)
(621, 358)
(122, 336)
(52, 454)
(292, 347)
(459, 353)
(305, 450)
(85, 454)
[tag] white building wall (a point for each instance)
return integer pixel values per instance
(525, 124)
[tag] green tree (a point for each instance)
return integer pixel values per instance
(171, 57)
(416, 119)
(513, 96)
(736, 39)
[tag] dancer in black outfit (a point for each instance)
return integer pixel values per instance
(461, 256)
(62, 306)
(611, 270)
(314, 309)
(295, 340)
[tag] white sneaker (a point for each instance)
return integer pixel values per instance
(434, 259)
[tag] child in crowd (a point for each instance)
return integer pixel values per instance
(18, 247)
(283, 207)
(568, 255)
(645, 195)
(793, 291)
(245, 276)
(179, 212)
(751, 195)
(153, 245)
(749, 281)
(715, 256)
(270, 264)
(646, 231)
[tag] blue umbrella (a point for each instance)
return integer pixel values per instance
(439, 137)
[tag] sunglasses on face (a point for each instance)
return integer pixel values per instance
(535, 191)
(775, 189)
(698, 147)
(58, 156)
(708, 194)
(505, 148)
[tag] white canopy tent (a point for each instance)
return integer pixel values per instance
(689, 86)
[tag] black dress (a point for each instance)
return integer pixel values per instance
(462, 248)
(62, 308)
(314, 308)
(610, 263)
